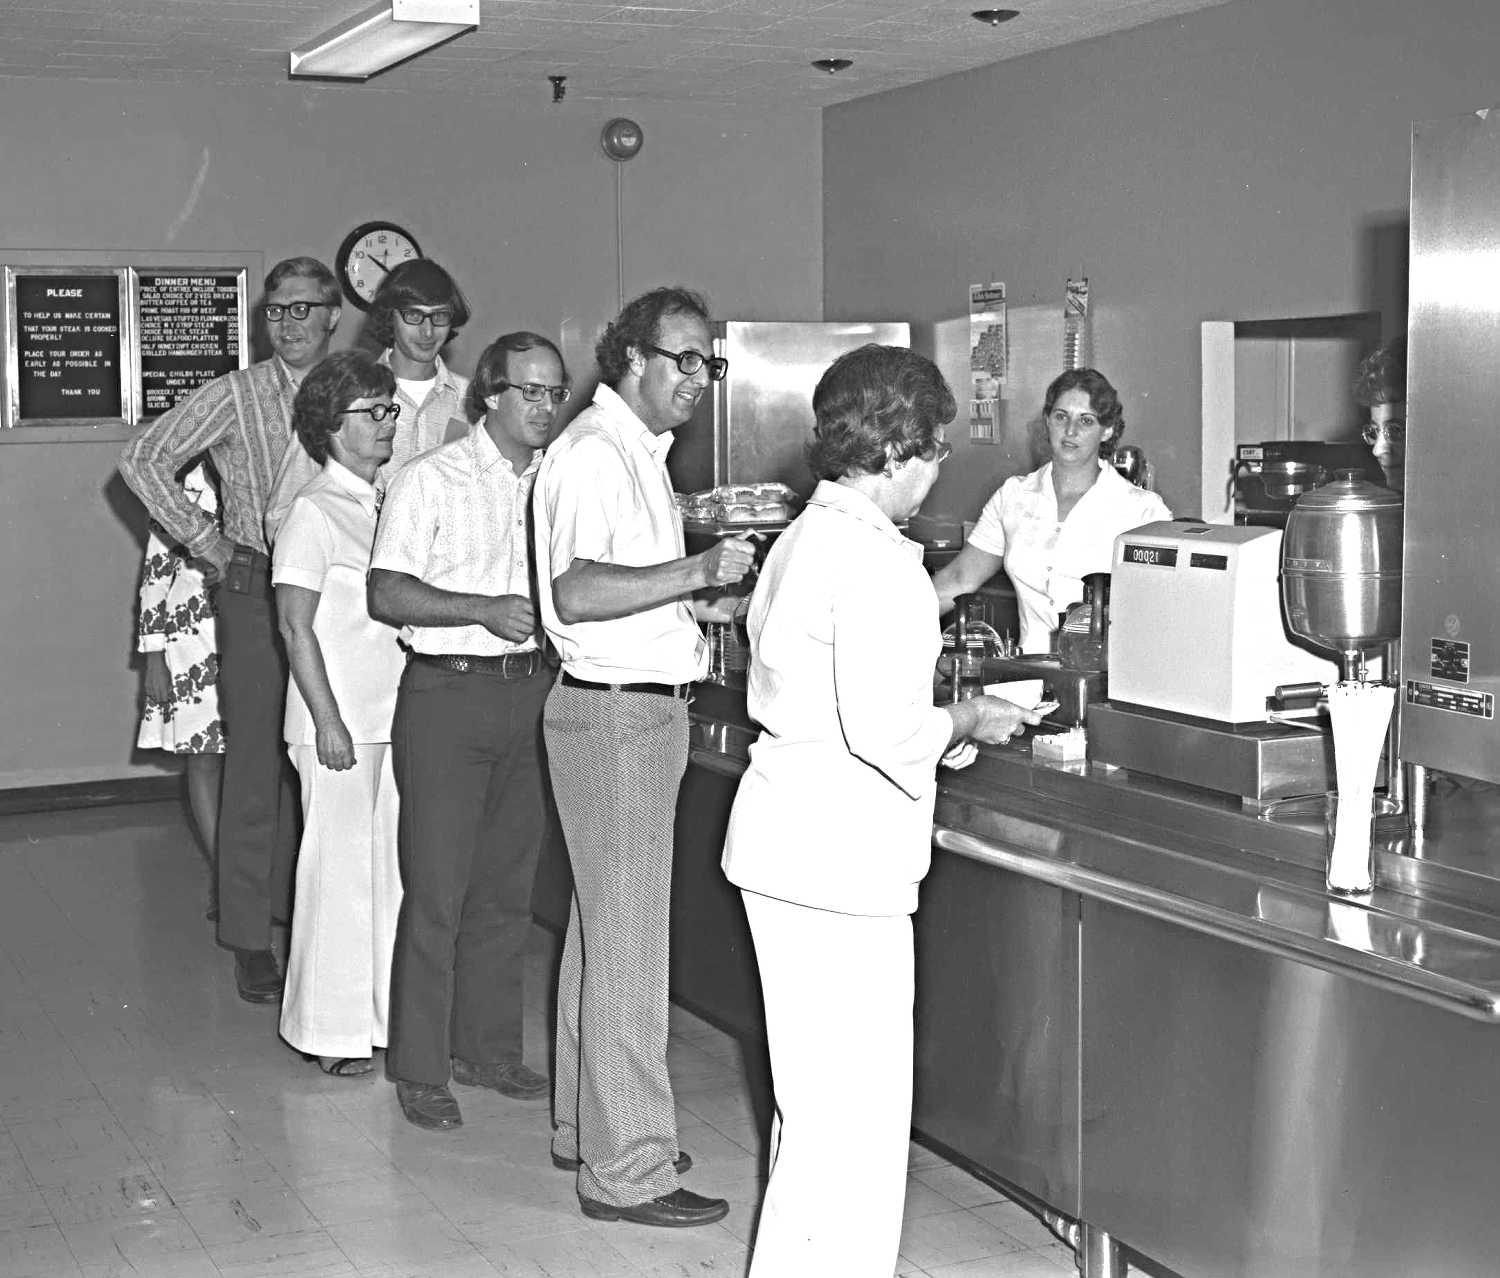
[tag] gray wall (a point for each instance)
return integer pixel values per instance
(1246, 161)
(520, 204)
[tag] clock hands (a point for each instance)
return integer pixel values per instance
(378, 262)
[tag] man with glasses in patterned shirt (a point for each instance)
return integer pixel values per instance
(452, 566)
(243, 421)
(617, 597)
(417, 310)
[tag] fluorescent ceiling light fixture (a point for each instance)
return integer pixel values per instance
(383, 35)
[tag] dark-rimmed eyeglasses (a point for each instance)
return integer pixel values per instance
(275, 312)
(535, 392)
(689, 362)
(441, 317)
(378, 412)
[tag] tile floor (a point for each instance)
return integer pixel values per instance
(151, 1123)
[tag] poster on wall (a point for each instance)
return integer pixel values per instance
(67, 350)
(1077, 344)
(988, 355)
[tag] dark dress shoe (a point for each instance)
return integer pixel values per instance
(509, 1079)
(429, 1105)
(677, 1210)
(256, 976)
(683, 1163)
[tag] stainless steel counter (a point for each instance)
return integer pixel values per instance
(1138, 1005)
(1431, 929)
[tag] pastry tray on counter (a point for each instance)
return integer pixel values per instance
(728, 527)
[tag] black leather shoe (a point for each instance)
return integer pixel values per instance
(677, 1210)
(429, 1105)
(682, 1163)
(256, 976)
(509, 1079)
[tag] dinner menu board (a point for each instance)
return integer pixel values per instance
(68, 356)
(190, 328)
(118, 344)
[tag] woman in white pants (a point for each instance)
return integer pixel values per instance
(345, 670)
(832, 826)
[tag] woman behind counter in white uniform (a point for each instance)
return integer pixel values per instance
(1053, 527)
(832, 826)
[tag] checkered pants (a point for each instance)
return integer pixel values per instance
(617, 760)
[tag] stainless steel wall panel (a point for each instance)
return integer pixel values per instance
(754, 426)
(1450, 648)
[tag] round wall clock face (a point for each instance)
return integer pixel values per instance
(368, 254)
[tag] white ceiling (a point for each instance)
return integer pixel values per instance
(752, 53)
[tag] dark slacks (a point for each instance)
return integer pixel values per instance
(467, 754)
(258, 810)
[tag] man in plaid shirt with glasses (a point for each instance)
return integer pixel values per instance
(243, 422)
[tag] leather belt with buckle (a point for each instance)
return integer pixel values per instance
(679, 690)
(508, 665)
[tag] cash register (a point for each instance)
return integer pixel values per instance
(1198, 649)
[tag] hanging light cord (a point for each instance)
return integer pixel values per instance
(619, 238)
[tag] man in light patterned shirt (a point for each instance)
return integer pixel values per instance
(243, 421)
(452, 567)
(617, 593)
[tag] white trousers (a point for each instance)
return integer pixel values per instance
(838, 994)
(338, 974)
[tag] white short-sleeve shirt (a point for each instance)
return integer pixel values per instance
(1046, 558)
(604, 495)
(455, 518)
(439, 418)
(325, 546)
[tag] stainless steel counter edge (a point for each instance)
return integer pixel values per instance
(1382, 970)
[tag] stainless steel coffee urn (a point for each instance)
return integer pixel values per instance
(1341, 587)
(1341, 569)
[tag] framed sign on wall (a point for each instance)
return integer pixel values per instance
(67, 344)
(190, 328)
(99, 342)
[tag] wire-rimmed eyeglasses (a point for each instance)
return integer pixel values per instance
(689, 362)
(535, 392)
(1393, 429)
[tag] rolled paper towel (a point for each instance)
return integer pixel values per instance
(1359, 713)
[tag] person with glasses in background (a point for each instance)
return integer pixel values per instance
(452, 567)
(619, 601)
(242, 420)
(345, 667)
(831, 830)
(1053, 527)
(1380, 386)
(417, 310)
